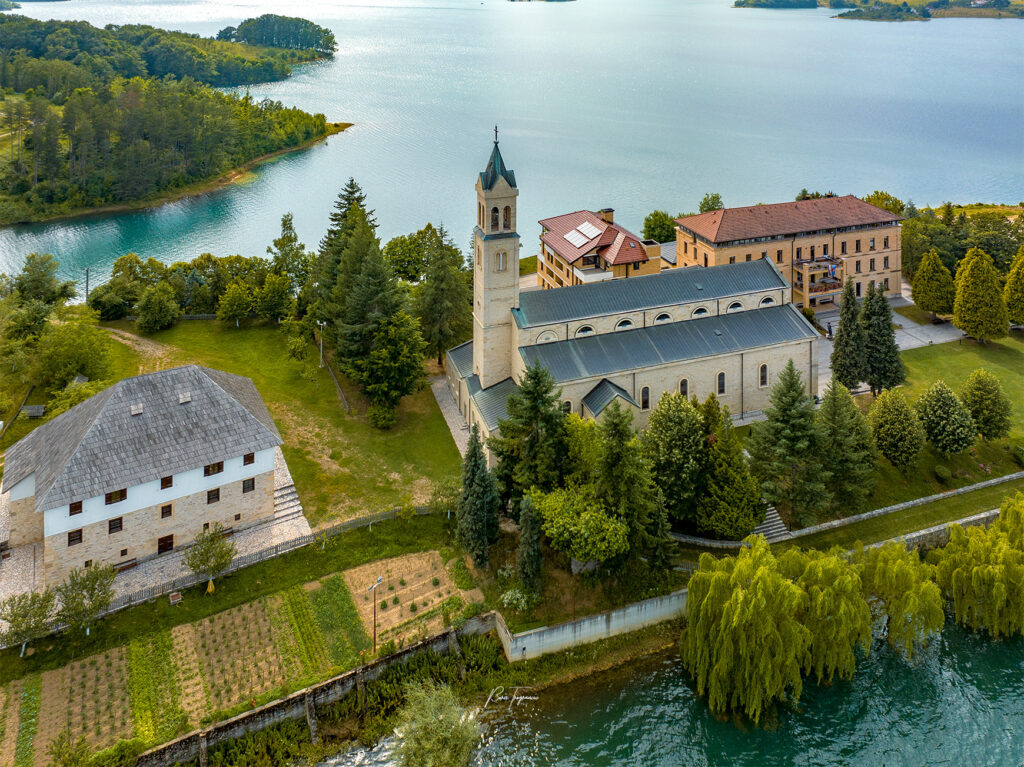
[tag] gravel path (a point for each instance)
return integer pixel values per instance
(450, 410)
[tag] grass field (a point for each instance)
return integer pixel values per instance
(914, 314)
(527, 265)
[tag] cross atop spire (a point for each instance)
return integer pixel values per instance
(496, 168)
(495, 134)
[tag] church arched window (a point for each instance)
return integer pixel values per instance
(494, 219)
(663, 317)
(506, 218)
(645, 398)
(762, 376)
(721, 384)
(547, 337)
(684, 388)
(735, 306)
(624, 324)
(700, 311)
(501, 261)
(480, 215)
(585, 330)
(767, 301)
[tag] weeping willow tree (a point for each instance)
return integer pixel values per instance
(902, 595)
(981, 572)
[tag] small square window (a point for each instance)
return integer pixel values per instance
(213, 468)
(748, 256)
(116, 496)
(248, 485)
(75, 537)
(115, 525)
(88, 564)
(212, 496)
(206, 525)
(166, 482)
(75, 508)
(166, 511)
(237, 517)
(124, 552)
(732, 259)
(249, 459)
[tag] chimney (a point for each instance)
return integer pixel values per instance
(607, 215)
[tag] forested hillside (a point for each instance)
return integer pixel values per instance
(97, 117)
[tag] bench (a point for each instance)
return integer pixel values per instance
(175, 597)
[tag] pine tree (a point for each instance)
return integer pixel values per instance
(477, 515)
(394, 367)
(528, 555)
(847, 449)
(444, 301)
(1013, 293)
(947, 424)
(897, 430)
(289, 256)
(676, 447)
(785, 450)
(531, 441)
(730, 506)
(236, 303)
(848, 347)
(885, 367)
(932, 290)
(374, 299)
(984, 398)
(979, 309)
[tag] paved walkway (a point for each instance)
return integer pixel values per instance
(450, 410)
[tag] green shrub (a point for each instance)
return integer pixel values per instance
(943, 474)
(412, 607)
(459, 574)
(436, 581)
(1018, 455)
(384, 604)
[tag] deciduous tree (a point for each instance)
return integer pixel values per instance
(27, 615)
(659, 226)
(984, 398)
(979, 309)
(236, 303)
(84, 595)
(885, 201)
(433, 729)
(711, 201)
(38, 280)
(274, 300)
(897, 430)
(211, 553)
(579, 526)
(947, 424)
(676, 447)
(157, 309)
(1013, 293)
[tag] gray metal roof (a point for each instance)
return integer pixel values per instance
(610, 353)
(99, 445)
(462, 358)
(496, 169)
(672, 286)
(601, 396)
(491, 402)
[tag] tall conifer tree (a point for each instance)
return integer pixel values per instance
(947, 424)
(1013, 293)
(477, 516)
(849, 344)
(847, 449)
(730, 506)
(528, 555)
(884, 365)
(897, 429)
(987, 403)
(979, 309)
(444, 301)
(933, 285)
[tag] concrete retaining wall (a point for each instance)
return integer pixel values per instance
(934, 537)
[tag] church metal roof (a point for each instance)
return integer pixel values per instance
(628, 350)
(601, 396)
(667, 288)
(492, 402)
(496, 169)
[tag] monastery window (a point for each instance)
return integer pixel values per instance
(748, 256)
(871, 265)
(124, 552)
(700, 311)
(115, 525)
(494, 219)
(75, 537)
(567, 407)
(764, 254)
(624, 324)
(886, 283)
(506, 218)
(636, 266)
(735, 306)
(75, 508)
(824, 249)
(885, 243)
(586, 330)
(799, 253)
(767, 301)
(547, 337)
(645, 398)
(663, 317)
(732, 260)
(166, 482)
(885, 262)
(480, 215)
(116, 496)
(213, 496)
(166, 510)
(856, 246)
(684, 388)
(721, 384)
(762, 376)
(248, 485)
(705, 259)
(858, 288)
(842, 247)
(213, 468)
(501, 261)
(249, 459)
(871, 244)
(856, 267)
(778, 256)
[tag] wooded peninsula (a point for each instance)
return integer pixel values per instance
(915, 10)
(124, 115)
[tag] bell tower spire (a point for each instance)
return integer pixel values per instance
(495, 270)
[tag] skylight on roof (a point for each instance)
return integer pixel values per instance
(577, 239)
(184, 397)
(136, 409)
(589, 230)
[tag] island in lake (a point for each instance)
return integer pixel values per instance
(127, 116)
(918, 10)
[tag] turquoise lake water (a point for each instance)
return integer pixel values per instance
(632, 105)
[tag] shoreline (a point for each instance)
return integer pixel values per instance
(232, 176)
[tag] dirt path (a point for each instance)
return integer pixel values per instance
(154, 353)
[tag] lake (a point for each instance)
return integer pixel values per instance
(631, 105)
(960, 703)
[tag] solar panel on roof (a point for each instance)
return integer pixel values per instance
(589, 230)
(577, 239)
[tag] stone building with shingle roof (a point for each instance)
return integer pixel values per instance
(141, 468)
(727, 330)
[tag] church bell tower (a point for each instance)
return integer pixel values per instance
(495, 271)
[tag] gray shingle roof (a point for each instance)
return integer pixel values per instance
(99, 446)
(601, 396)
(673, 286)
(491, 402)
(609, 353)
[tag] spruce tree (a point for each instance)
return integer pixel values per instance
(394, 367)
(884, 365)
(444, 300)
(730, 506)
(984, 398)
(328, 258)
(676, 447)
(528, 555)
(477, 516)
(1013, 293)
(979, 309)
(847, 449)
(288, 255)
(848, 346)
(932, 290)
(947, 424)
(785, 450)
(374, 299)
(531, 440)
(897, 429)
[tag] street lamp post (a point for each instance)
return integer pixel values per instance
(322, 325)
(373, 597)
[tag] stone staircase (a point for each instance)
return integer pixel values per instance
(773, 528)
(286, 503)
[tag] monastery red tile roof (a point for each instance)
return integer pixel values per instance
(785, 218)
(614, 244)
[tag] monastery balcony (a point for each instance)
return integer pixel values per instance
(590, 274)
(825, 287)
(819, 265)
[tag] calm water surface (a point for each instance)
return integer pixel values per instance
(960, 704)
(634, 105)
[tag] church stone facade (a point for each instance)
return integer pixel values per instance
(727, 330)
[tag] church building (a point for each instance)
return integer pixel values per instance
(727, 330)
